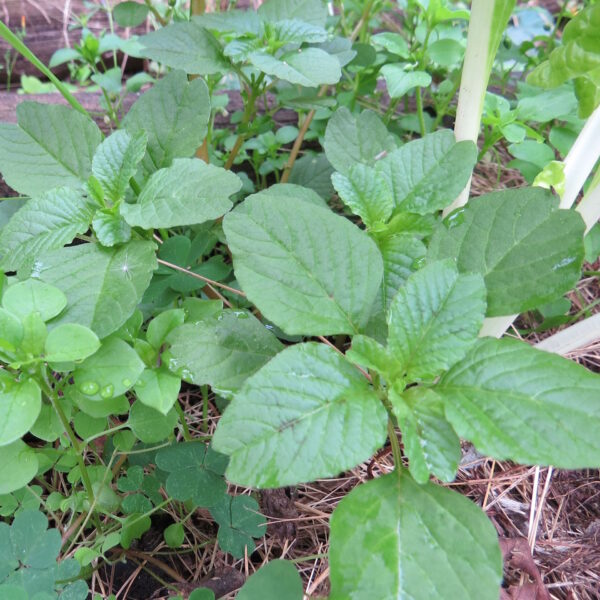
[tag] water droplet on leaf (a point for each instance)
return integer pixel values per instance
(107, 391)
(89, 388)
(454, 219)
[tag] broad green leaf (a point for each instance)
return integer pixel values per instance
(149, 425)
(11, 331)
(310, 11)
(110, 372)
(130, 14)
(32, 295)
(434, 319)
(187, 46)
(290, 192)
(44, 223)
(103, 285)
(277, 580)
(70, 341)
(202, 593)
(371, 354)
(116, 161)
(158, 389)
(194, 473)
(8, 207)
(365, 194)
(518, 403)
(221, 351)
(174, 115)
(399, 81)
(298, 31)
(307, 269)
(306, 414)
(547, 106)
(527, 251)
(308, 67)
(34, 335)
(239, 521)
(98, 408)
(313, 171)
(134, 527)
(350, 140)
(430, 443)
(48, 426)
(110, 227)
(392, 538)
(174, 535)
(51, 146)
(18, 466)
(34, 545)
(231, 21)
(20, 405)
(392, 42)
(86, 426)
(427, 174)
(189, 192)
(162, 325)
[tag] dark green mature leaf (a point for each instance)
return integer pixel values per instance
(392, 538)
(52, 145)
(277, 580)
(299, 31)
(44, 223)
(110, 372)
(310, 11)
(189, 192)
(18, 466)
(33, 544)
(430, 443)
(194, 473)
(306, 269)
(174, 114)
(231, 21)
(434, 319)
(350, 140)
(149, 425)
(130, 14)
(222, 351)
(20, 405)
(518, 403)
(308, 67)
(399, 81)
(239, 521)
(313, 171)
(306, 414)
(116, 161)
(527, 251)
(103, 286)
(365, 194)
(187, 46)
(427, 174)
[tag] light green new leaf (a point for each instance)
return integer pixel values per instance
(187, 46)
(392, 538)
(44, 223)
(518, 403)
(103, 285)
(399, 81)
(18, 466)
(361, 139)
(277, 580)
(149, 425)
(221, 351)
(307, 269)
(430, 443)
(70, 341)
(174, 114)
(427, 174)
(20, 405)
(528, 252)
(309, 11)
(34, 296)
(110, 372)
(161, 325)
(189, 192)
(309, 67)
(51, 146)
(306, 414)
(298, 31)
(11, 331)
(116, 162)
(365, 194)
(369, 353)
(110, 227)
(434, 319)
(158, 389)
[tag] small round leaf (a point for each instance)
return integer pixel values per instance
(70, 342)
(18, 466)
(33, 295)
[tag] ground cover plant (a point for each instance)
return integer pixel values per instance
(324, 285)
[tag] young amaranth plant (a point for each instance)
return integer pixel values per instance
(409, 292)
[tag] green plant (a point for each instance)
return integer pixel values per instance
(132, 265)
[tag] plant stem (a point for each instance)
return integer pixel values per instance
(186, 431)
(22, 49)
(204, 389)
(296, 147)
(396, 452)
(420, 114)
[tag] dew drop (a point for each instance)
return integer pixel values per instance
(418, 263)
(240, 314)
(89, 388)
(127, 382)
(455, 218)
(107, 391)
